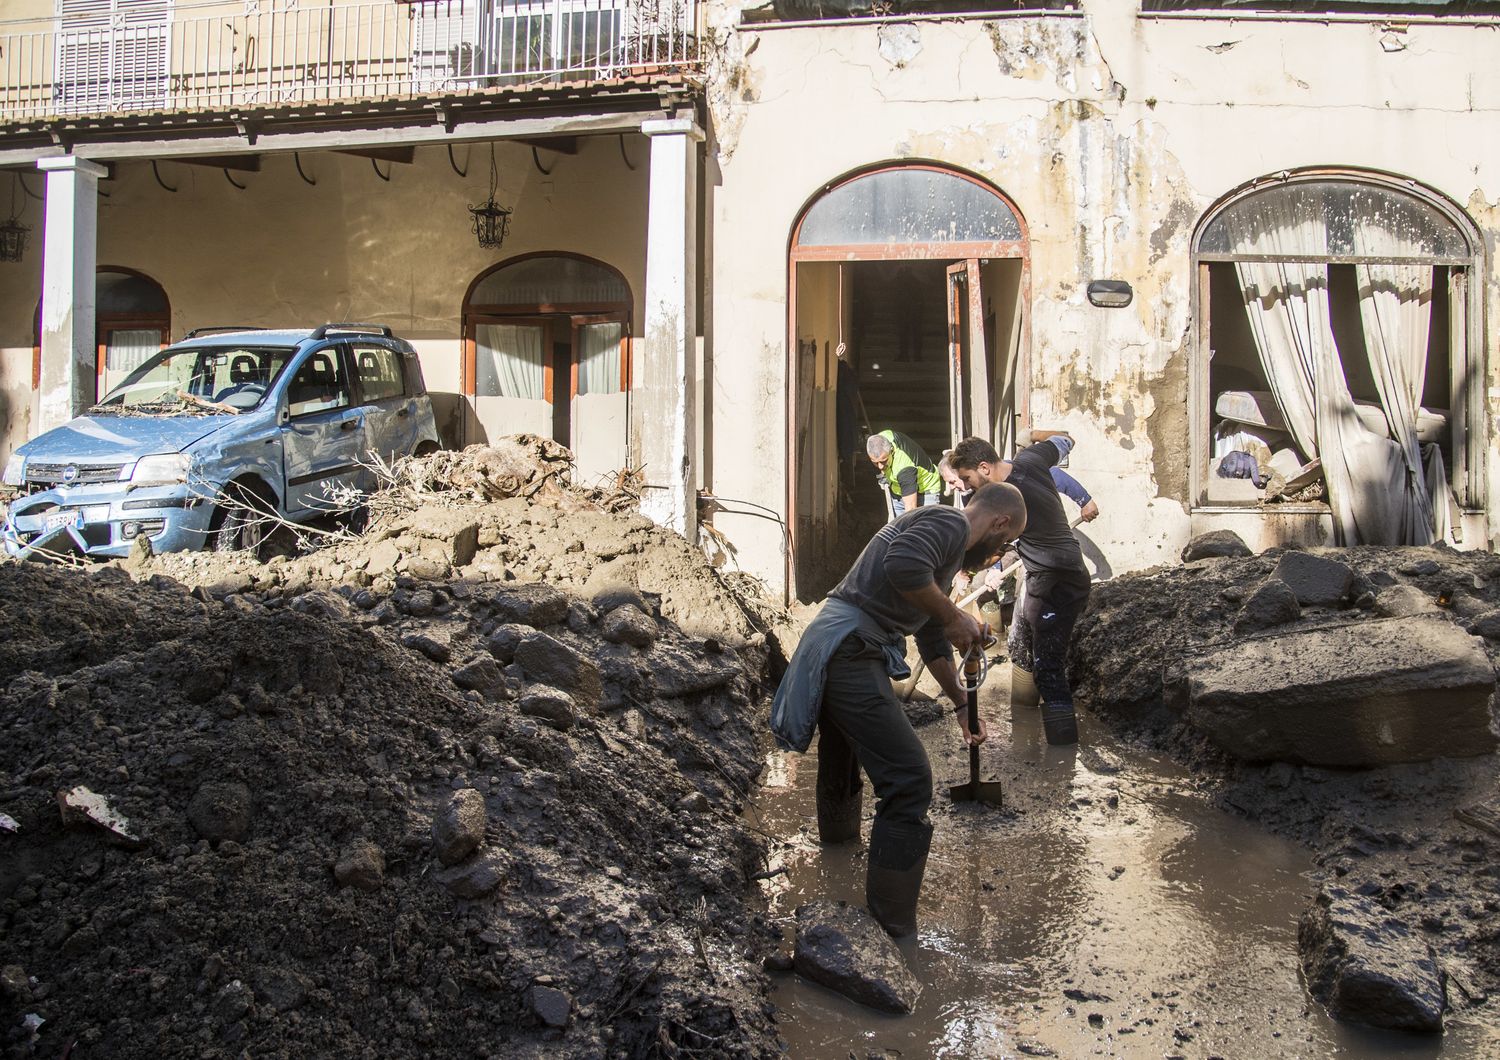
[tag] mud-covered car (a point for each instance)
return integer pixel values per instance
(212, 436)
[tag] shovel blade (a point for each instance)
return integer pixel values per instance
(985, 791)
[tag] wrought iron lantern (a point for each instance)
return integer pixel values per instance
(13, 234)
(491, 220)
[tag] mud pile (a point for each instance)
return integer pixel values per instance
(497, 514)
(1403, 929)
(396, 798)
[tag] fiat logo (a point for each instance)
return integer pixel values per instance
(70, 473)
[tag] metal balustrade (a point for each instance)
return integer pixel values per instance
(136, 56)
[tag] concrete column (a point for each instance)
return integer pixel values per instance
(69, 263)
(666, 398)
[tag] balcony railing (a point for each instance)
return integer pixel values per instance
(255, 54)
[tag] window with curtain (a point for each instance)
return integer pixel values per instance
(128, 349)
(1332, 365)
(599, 358)
(509, 361)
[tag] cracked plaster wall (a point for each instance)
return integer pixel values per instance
(1112, 135)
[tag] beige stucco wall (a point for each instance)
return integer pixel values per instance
(1113, 135)
(352, 248)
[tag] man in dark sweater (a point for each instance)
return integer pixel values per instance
(839, 682)
(1057, 582)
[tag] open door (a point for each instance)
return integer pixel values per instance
(968, 353)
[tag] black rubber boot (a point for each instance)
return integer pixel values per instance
(898, 860)
(838, 818)
(1060, 723)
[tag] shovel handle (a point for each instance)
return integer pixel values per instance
(1006, 573)
(971, 673)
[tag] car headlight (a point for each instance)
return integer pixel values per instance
(15, 470)
(169, 467)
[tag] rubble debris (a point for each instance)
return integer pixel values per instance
(361, 865)
(459, 829)
(82, 808)
(842, 947)
(1317, 581)
(1273, 603)
(1356, 694)
(1369, 967)
(1215, 544)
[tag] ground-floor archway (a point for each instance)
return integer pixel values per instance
(907, 311)
(547, 351)
(132, 320)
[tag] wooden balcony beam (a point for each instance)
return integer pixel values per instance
(404, 155)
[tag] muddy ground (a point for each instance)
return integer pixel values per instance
(398, 798)
(1396, 834)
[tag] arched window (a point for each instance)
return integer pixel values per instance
(1336, 339)
(547, 350)
(132, 320)
(908, 205)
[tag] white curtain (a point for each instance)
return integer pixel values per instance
(128, 350)
(1395, 309)
(599, 358)
(1288, 307)
(508, 361)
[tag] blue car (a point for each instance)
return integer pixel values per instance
(203, 443)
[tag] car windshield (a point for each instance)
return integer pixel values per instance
(201, 380)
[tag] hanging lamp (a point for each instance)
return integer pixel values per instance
(491, 220)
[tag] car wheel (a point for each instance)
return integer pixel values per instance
(244, 521)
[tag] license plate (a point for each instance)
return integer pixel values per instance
(56, 519)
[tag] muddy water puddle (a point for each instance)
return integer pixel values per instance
(1106, 910)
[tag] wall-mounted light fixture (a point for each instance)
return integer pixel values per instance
(491, 220)
(1110, 294)
(13, 234)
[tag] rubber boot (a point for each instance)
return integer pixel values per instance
(838, 818)
(898, 861)
(1023, 691)
(1060, 722)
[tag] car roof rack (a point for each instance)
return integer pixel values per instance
(356, 329)
(221, 327)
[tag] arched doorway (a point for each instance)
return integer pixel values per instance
(920, 273)
(132, 320)
(547, 351)
(1339, 344)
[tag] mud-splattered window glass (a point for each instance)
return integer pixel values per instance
(1339, 333)
(908, 205)
(550, 280)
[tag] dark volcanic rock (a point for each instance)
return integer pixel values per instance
(1273, 604)
(534, 605)
(361, 866)
(1398, 601)
(1354, 694)
(627, 624)
(551, 662)
(551, 705)
(1215, 543)
(1367, 966)
(474, 878)
(843, 948)
(1317, 580)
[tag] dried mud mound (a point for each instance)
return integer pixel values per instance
(455, 819)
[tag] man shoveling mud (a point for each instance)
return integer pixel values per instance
(839, 681)
(1057, 582)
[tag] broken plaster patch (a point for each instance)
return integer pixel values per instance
(900, 43)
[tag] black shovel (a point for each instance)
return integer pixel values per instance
(976, 790)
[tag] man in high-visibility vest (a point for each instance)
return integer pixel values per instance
(906, 471)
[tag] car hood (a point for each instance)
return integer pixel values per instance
(120, 439)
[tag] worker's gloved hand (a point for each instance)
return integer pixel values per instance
(962, 714)
(962, 631)
(961, 582)
(993, 579)
(1089, 512)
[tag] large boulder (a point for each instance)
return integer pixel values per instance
(1215, 544)
(1355, 694)
(1317, 580)
(1272, 604)
(842, 947)
(1367, 966)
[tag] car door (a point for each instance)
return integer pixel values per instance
(389, 410)
(322, 431)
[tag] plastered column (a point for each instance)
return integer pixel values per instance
(666, 397)
(69, 262)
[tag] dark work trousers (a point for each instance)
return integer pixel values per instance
(862, 725)
(1042, 632)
